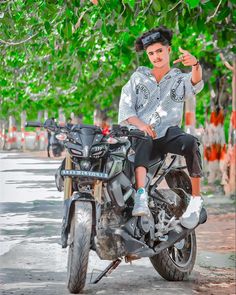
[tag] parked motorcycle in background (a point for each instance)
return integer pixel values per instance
(98, 180)
(56, 145)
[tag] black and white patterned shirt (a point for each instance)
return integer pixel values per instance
(160, 104)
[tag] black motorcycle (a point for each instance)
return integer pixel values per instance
(57, 145)
(97, 177)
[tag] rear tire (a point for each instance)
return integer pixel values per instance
(80, 235)
(176, 264)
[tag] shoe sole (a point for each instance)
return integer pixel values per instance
(189, 225)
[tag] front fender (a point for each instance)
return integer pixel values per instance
(68, 211)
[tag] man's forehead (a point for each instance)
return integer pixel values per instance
(155, 47)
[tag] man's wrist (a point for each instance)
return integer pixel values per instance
(196, 64)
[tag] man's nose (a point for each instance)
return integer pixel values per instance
(156, 56)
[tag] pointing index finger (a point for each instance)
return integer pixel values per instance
(182, 50)
(177, 60)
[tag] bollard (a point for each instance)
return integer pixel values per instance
(61, 118)
(23, 120)
(11, 142)
(230, 163)
(38, 131)
(76, 120)
(3, 136)
(190, 116)
(215, 146)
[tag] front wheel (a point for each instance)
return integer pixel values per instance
(80, 235)
(176, 262)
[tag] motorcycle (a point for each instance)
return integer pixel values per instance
(98, 180)
(57, 145)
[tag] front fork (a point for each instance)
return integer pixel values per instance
(68, 179)
(67, 203)
(69, 199)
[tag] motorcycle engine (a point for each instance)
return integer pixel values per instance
(109, 246)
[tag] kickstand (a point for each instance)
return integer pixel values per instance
(113, 265)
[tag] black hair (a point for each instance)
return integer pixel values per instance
(165, 38)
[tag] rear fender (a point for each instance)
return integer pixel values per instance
(68, 212)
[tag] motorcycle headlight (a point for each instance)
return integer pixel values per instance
(76, 152)
(98, 151)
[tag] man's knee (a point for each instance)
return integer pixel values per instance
(190, 144)
(143, 144)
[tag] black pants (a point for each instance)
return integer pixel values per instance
(49, 142)
(176, 141)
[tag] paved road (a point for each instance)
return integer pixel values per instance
(31, 258)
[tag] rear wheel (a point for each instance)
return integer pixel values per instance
(80, 235)
(177, 262)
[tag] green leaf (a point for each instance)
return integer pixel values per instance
(192, 3)
(47, 27)
(223, 13)
(68, 29)
(131, 3)
(104, 29)
(3, 82)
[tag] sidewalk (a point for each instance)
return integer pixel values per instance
(216, 246)
(214, 271)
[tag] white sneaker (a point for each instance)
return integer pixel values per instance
(141, 203)
(190, 218)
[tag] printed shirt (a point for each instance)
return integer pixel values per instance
(159, 104)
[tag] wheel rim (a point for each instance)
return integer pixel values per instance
(181, 257)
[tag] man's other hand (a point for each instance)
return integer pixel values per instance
(186, 58)
(147, 129)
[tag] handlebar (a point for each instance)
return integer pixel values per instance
(48, 124)
(117, 130)
(137, 133)
(33, 124)
(120, 131)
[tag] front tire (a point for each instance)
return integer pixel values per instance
(174, 263)
(80, 235)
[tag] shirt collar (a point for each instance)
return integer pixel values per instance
(147, 72)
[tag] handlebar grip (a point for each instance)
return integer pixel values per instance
(137, 133)
(33, 124)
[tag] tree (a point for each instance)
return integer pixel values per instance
(71, 53)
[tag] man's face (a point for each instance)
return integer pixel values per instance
(158, 54)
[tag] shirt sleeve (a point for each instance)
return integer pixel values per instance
(127, 102)
(190, 89)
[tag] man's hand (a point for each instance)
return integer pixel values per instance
(148, 129)
(186, 58)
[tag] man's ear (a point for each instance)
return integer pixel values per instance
(169, 49)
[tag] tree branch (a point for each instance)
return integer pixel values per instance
(214, 14)
(175, 6)
(18, 42)
(149, 5)
(227, 64)
(124, 8)
(77, 25)
(66, 92)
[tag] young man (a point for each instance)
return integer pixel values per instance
(152, 101)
